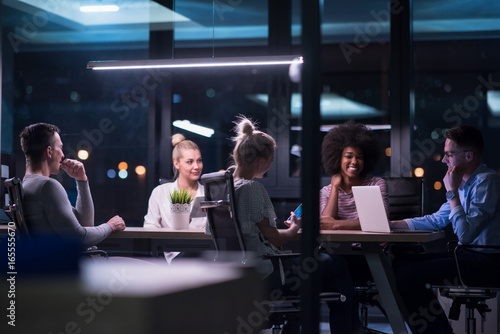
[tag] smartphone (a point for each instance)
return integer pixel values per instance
(298, 213)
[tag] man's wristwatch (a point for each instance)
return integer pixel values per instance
(450, 194)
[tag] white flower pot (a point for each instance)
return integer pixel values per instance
(180, 216)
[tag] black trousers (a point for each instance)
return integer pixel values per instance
(414, 273)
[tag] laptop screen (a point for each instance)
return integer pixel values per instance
(371, 209)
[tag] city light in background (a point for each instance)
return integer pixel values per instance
(83, 154)
(140, 170)
(122, 165)
(111, 173)
(419, 172)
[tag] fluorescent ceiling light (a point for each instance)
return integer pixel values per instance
(493, 100)
(326, 128)
(193, 62)
(99, 8)
(332, 106)
(198, 129)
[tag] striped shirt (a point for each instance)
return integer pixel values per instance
(347, 207)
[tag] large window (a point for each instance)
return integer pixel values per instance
(127, 116)
(456, 82)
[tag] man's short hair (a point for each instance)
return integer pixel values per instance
(35, 138)
(468, 138)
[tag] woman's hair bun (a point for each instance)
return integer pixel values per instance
(177, 138)
(244, 127)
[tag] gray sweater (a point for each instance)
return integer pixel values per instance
(47, 210)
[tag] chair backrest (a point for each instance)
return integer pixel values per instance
(220, 205)
(15, 207)
(163, 180)
(405, 197)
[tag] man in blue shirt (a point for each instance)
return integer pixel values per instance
(473, 209)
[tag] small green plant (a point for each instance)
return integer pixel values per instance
(181, 196)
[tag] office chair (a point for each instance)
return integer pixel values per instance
(163, 180)
(225, 230)
(15, 212)
(15, 207)
(405, 197)
(406, 200)
(473, 297)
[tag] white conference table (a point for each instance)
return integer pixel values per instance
(340, 242)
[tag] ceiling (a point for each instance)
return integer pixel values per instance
(198, 22)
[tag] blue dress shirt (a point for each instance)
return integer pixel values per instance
(477, 220)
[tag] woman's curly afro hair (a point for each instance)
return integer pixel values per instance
(349, 134)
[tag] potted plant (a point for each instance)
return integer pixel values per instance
(180, 207)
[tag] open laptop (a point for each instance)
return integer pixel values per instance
(371, 210)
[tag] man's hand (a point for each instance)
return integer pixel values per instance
(74, 169)
(399, 225)
(116, 223)
(453, 178)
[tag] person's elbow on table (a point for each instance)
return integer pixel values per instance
(399, 224)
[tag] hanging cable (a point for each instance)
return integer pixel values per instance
(213, 28)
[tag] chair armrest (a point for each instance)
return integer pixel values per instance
(212, 204)
(94, 251)
(324, 297)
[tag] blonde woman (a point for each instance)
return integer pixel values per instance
(188, 166)
(253, 155)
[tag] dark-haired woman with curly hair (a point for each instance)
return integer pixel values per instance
(350, 152)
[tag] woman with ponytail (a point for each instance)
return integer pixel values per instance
(253, 154)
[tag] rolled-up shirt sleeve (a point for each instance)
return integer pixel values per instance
(433, 222)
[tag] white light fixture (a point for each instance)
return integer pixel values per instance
(332, 106)
(493, 100)
(198, 129)
(326, 128)
(194, 62)
(99, 9)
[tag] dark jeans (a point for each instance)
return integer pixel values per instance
(425, 314)
(334, 275)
